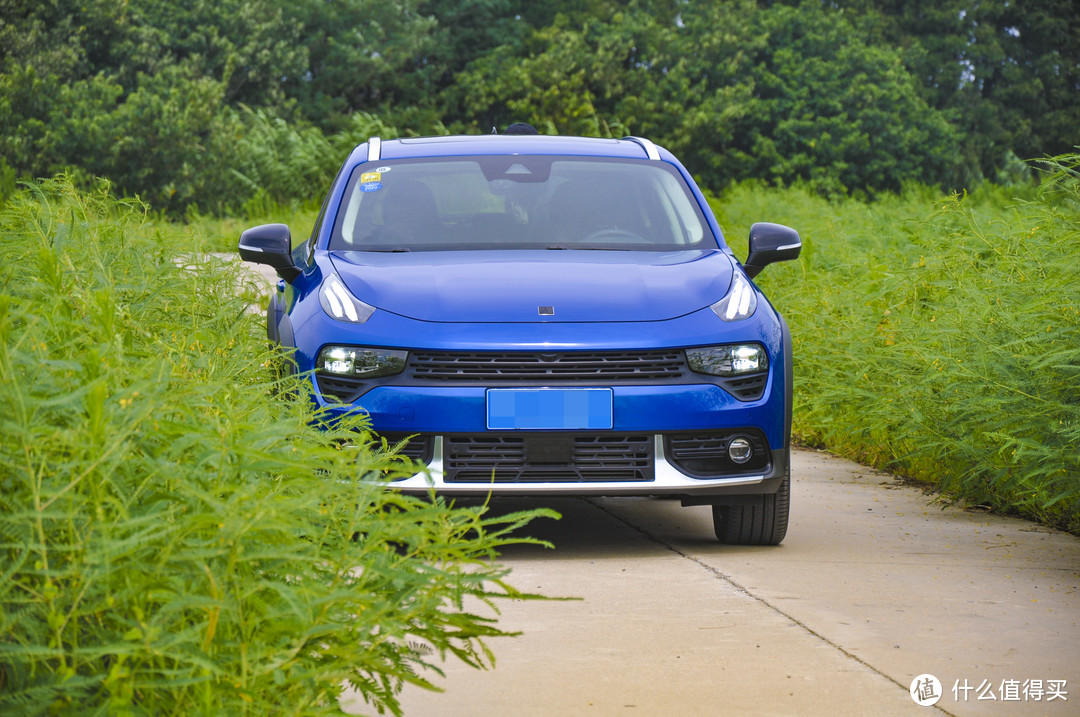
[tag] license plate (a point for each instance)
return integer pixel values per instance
(549, 408)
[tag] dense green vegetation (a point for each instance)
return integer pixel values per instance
(938, 337)
(176, 537)
(216, 104)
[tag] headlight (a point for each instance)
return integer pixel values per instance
(733, 360)
(339, 303)
(740, 301)
(361, 362)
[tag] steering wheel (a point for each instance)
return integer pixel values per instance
(387, 235)
(614, 235)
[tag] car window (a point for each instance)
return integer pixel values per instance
(525, 202)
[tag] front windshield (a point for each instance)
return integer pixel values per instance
(518, 202)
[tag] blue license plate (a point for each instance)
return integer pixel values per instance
(549, 408)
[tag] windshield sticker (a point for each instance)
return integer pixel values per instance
(370, 186)
(370, 177)
(383, 169)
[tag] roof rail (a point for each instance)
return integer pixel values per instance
(650, 149)
(374, 149)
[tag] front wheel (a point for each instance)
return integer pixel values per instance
(763, 523)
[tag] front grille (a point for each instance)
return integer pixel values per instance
(606, 366)
(705, 454)
(547, 457)
(419, 448)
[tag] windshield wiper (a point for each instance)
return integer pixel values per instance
(559, 247)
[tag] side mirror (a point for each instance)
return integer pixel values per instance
(270, 244)
(770, 243)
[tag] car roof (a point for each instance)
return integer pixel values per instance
(502, 144)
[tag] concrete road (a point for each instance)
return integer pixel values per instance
(873, 587)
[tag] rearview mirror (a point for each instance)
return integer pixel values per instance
(270, 244)
(770, 243)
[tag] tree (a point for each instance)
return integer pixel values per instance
(831, 110)
(362, 56)
(1007, 71)
(784, 94)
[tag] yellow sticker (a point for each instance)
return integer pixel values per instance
(370, 177)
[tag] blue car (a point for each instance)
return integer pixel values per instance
(544, 316)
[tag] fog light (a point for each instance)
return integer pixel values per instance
(739, 450)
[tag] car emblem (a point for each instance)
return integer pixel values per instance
(546, 310)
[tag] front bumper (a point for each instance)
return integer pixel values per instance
(663, 476)
(664, 440)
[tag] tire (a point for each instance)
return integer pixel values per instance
(764, 523)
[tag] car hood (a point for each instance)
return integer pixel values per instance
(501, 286)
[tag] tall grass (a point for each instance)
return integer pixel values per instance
(176, 536)
(939, 336)
(221, 232)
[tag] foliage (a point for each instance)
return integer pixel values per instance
(177, 102)
(939, 337)
(177, 536)
(789, 95)
(1007, 72)
(837, 113)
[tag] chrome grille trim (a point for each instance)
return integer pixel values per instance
(605, 366)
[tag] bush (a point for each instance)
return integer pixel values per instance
(937, 337)
(177, 536)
